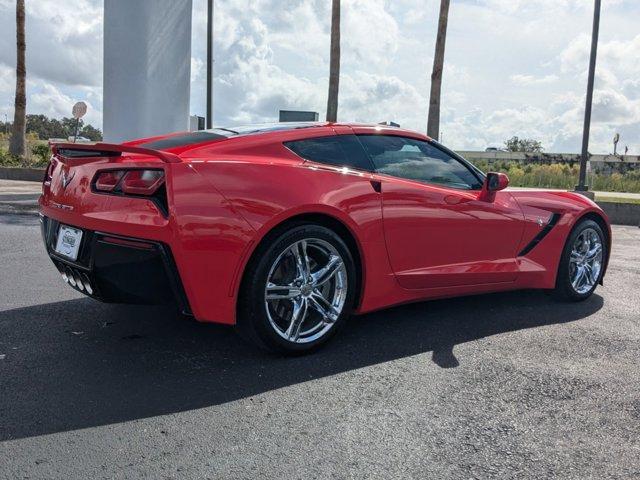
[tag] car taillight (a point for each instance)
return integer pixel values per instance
(107, 181)
(129, 182)
(142, 182)
(49, 171)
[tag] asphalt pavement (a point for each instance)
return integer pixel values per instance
(511, 385)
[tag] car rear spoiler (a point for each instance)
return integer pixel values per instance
(84, 150)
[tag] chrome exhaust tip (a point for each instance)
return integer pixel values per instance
(87, 284)
(72, 281)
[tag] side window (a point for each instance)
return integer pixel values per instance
(338, 150)
(417, 160)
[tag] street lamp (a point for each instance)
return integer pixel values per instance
(582, 187)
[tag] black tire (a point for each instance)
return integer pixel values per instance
(253, 323)
(564, 290)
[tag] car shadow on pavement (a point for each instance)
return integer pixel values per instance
(78, 364)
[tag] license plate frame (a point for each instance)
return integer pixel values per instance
(68, 242)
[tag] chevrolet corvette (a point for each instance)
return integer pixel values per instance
(285, 230)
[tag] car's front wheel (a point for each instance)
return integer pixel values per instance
(298, 290)
(582, 262)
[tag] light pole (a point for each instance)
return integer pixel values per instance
(209, 62)
(582, 187)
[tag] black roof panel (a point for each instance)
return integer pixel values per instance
(183, 139)
(203, 136)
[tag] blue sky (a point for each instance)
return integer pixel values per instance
(512, 67)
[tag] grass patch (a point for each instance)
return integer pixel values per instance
(635, 201)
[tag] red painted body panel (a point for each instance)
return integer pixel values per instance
(440, 237)
(415, 241)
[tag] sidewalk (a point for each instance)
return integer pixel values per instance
(19, 197)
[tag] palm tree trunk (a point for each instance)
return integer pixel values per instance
(433, 123)
(334, 63)
(17, 144)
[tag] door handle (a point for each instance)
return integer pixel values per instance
(377, 185)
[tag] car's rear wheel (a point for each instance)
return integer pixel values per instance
(297, 291)
(582, 262)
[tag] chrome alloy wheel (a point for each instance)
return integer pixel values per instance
(585, 262)
(306, 290)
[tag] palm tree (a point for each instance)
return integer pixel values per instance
(334, 63)
(17, 144)
(433, 123)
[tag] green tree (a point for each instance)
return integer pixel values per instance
(92, 133)
(46, 128)
(69, 124)
(516, 144)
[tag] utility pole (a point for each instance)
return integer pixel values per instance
(209, 63)
(582, 187)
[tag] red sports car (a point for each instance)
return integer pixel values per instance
(284, 230)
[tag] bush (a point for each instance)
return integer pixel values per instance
(560, 175)
(40, 155)
(8, 160)
(37, 157)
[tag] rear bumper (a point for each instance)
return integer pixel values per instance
(117, 269)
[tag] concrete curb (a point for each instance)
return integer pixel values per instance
(9, 209)
(622, 213)
(26, 174)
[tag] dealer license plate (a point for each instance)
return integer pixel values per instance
(68, 243)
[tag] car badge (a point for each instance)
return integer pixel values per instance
(61, 206)
(66, 179)
(540, 222)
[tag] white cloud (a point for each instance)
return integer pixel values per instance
(64, 40)
(616, 102)
(198, 69)
(48, 99)
(7, 80)
(375, 98)
(512, 67)
(64, 57)
(526, 80)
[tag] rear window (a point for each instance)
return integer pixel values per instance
(338, 150)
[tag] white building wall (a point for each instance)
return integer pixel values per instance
(147, 68)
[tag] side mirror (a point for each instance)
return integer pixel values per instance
(493, 183)
(496, 181)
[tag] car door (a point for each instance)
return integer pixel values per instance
(438, 232)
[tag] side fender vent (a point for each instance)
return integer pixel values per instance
(543, 233)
